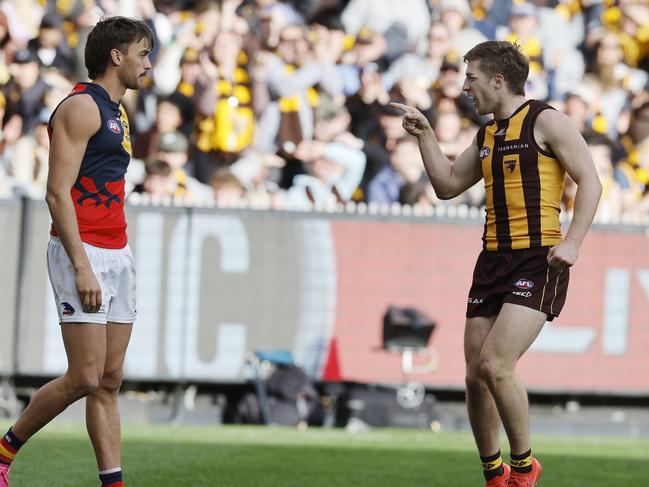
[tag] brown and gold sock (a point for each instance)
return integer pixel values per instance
(492, 466)
(522, 463)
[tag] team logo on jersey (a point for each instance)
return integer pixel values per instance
(501, 132)
(484, 152)
(510, 165)
(113, 126)
(524, 284)
(66, 309)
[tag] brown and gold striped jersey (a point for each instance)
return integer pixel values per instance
(523, 183)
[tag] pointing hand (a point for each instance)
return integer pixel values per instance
(413, 120)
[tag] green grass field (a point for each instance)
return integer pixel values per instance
(237, 456)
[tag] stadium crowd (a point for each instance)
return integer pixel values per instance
(283, 104)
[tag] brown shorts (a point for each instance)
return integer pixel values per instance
(520, 277)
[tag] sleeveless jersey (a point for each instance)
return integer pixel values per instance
(523, 183)
(98, 192)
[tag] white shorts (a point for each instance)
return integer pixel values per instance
(115, 271)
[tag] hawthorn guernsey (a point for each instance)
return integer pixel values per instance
(98, 192)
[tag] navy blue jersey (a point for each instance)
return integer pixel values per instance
(98, 192)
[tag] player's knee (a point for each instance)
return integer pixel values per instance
(84, 384)
(493, 370)
(112, 380)
(473, 378)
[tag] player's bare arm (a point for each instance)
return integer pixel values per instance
(448, 178)
(75, 122)
(558, 133)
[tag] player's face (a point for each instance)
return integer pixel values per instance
(479, 86)
(135, 65)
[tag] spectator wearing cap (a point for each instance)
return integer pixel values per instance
(364, 57)
(29, 163)
(50, 47)
(173, 150)
(272, 16)
(25, 91)
(523, 30)
(523, 26)
(456, 14)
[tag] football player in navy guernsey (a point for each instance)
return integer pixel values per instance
(520, 279)
(90, 264)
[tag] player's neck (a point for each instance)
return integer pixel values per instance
(508, 106)
(113, 87)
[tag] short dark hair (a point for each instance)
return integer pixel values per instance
(502, 57)
(596, 138)
(410, 193)
(113, 33)
(156, 167)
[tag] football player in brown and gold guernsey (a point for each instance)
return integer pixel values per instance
(521, 276)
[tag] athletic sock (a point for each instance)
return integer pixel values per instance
(9, 446)
(492, 466)
(111, 478)
(522, 463)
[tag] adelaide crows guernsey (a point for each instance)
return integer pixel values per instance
(523, 183)
(98, 192)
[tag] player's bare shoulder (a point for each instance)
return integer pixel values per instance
(77, 115)
(553, 127)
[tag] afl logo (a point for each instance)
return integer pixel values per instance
(524, 284)
(113, 126)
(484, 152)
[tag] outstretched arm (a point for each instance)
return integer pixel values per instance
(449, 179)
(556, 131)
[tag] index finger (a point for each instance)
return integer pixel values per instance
(401, 106)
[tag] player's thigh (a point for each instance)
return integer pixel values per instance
(85, 347)
(118, 336)
(512, 333)
(476, 330)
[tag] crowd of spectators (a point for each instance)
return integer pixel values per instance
(283, 104)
